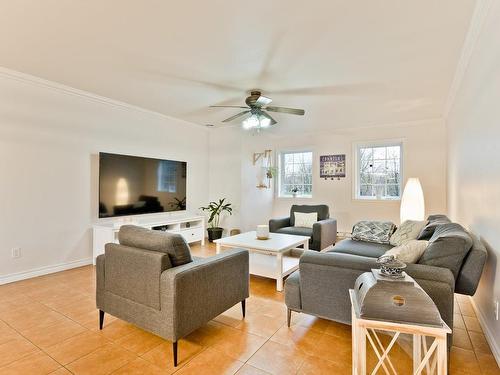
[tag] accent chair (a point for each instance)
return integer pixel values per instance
(150, 280)
(323, 233)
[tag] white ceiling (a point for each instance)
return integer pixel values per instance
(373, 62)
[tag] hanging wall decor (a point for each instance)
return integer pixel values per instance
(332, 166)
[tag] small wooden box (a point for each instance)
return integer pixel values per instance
(397, 300)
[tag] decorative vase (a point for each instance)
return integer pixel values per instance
(262, 232)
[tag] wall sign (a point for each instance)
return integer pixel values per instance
(332, 166)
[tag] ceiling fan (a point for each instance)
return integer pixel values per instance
(255, 114)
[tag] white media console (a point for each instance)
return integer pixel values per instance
(191, 227)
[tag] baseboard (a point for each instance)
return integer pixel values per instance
(487, 333)
(44, 271)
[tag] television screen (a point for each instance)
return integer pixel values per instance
(131, 185)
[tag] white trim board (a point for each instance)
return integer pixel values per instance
(487, 333)
(68, 90)
(481, 12)
(44, 271)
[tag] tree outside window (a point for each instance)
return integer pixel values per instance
(379, 171)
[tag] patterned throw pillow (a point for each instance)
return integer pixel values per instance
(305, 220)
(409, 252)
(373, 231)
(409, 230)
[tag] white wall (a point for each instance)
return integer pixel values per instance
(49, 140)
(474, 162)
(424, 157)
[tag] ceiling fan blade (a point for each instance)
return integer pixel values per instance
(273, 121)
(236, 116)
(355, 89)
(292, 111)
(263, 100)
(227, 106)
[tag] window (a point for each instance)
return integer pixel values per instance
(295, 174)
(167, 176)
(378, 171)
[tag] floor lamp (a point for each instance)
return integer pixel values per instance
(412, 202)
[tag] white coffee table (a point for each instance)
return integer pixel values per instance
(271, 258)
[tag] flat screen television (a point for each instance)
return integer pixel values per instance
(132, 185)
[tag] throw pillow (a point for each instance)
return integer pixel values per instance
(408, 252)
(373, 231)
(432, 222)
(305, 220)
(408, 230)
(447, 248)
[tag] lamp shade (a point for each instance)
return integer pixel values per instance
(412, 202)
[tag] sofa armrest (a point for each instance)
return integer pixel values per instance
(325, 233)
(275, 224)
(195, 293)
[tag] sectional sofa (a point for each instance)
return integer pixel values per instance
(320, 285)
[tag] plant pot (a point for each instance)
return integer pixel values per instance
(214, 234)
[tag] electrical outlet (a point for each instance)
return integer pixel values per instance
(495, 305)
(16, 252)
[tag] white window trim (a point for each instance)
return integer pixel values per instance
(278, 179)
(355, 158)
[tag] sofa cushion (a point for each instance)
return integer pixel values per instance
(169, 243)
(361, 248)
(373, 231)
(408, 230)
(409, 252)
(305, 220)
(322, 210)
(447, 247)
(298, 231)
(432, 222)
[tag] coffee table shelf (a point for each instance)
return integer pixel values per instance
(275, 258)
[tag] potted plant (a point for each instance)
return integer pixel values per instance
(216, 209)
(178, 204)
(295, 190)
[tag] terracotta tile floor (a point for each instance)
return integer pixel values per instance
(49, 325)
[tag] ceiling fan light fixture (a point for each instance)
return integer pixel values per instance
(251, 122)
(256, 121)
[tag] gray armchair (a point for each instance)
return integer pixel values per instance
(323, 233)
(150, 280)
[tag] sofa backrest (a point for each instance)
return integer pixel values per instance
(472, 268)
(322, 210)
(169, 243)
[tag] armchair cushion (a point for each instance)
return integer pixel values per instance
(298, 231)
(322, 210)
(172, 244)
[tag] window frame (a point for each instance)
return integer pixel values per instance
(171, 173)
(280, 164)
(356, 159)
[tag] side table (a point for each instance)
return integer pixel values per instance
(363, 329)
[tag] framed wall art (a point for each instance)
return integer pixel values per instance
(332, 166)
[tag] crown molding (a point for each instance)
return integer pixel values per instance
(481, 12)
(71, 91)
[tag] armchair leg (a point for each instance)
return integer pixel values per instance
(243, 307)
(288, 317)
(174, 347)
(101, 318)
